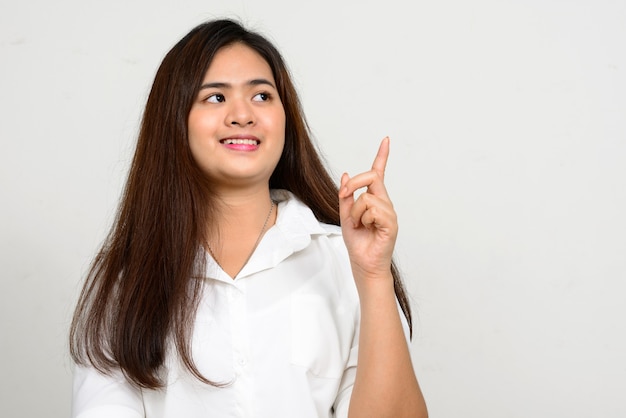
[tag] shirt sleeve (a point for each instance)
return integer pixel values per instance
(103, 396)
(347, 383)
(342, 403)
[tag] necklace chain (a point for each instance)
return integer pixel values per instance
(255, 244)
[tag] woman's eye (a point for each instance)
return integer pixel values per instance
(261, 97)
(215, 98)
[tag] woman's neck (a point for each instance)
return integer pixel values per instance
(241, 210)
(242, 220)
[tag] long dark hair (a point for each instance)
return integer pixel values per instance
(141, 288)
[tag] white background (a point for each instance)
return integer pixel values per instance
(508, 171)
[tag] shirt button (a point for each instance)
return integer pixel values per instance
(242, 361)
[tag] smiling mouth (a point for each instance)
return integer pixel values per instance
(239, 141)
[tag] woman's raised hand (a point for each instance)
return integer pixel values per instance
(369, 222)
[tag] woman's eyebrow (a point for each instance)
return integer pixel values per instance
(221, 85)
(259, 81)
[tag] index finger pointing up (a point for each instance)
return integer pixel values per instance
(380, 162)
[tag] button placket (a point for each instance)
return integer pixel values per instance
(239, 328)
(238, 323)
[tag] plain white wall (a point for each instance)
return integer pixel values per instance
(508, 127)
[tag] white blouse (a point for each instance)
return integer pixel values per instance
(282, 336)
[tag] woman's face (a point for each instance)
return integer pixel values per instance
(237, 122)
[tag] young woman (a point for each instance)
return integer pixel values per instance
(226, 287)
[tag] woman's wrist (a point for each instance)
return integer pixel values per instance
(374, 287)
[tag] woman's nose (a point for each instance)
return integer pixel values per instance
(240, 114)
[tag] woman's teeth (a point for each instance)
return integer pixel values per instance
(240, 141)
